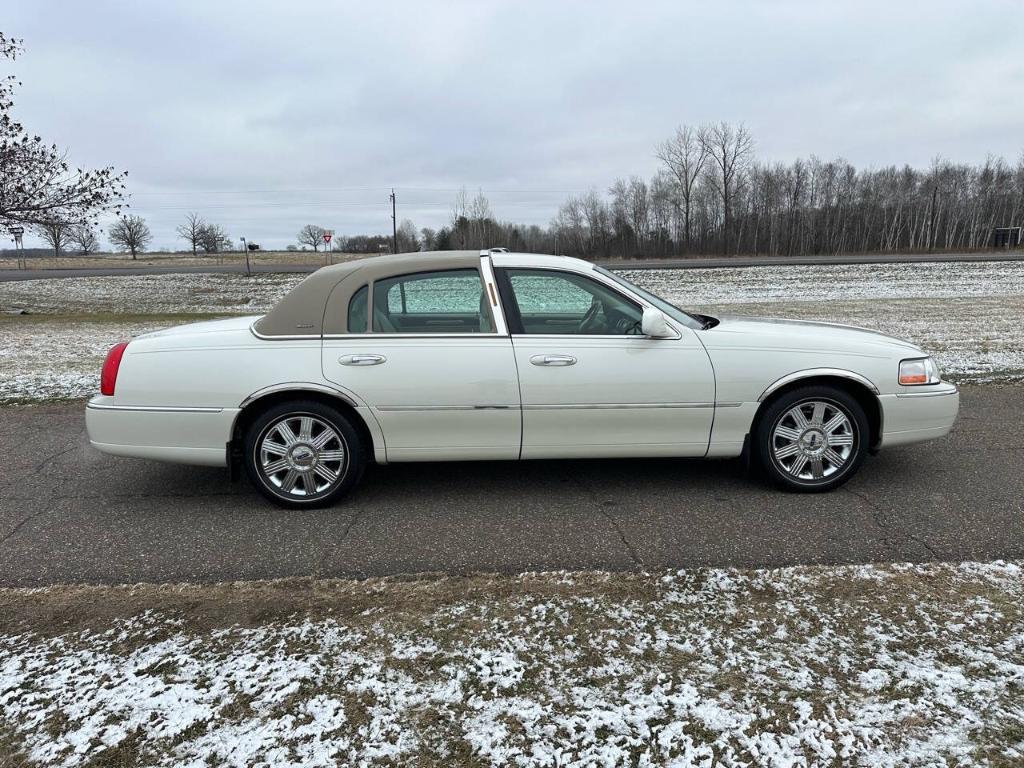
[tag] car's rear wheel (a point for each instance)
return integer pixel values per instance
(812, 439)
(303, 454)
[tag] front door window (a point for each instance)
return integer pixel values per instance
(559, 303)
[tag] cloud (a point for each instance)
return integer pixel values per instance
(267, 116)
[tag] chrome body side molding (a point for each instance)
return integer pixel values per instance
(404, 408)
(610, 406)
(153, 408)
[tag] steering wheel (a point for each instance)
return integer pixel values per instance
(590, 323)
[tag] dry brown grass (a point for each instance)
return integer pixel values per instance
(893, 659)
(124, 260)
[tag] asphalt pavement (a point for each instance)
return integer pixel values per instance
(70, 514)
(689, 263)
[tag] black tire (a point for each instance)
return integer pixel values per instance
(305, 465)
(814, 443)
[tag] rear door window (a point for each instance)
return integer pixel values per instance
(449, 301)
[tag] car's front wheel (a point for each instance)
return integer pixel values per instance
(303, 454)
(812, 439)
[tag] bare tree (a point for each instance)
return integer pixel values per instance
(685, 155)
(56, 234)
(736, 204)
(428, 237)
(192, 231)
(313, 235)
(131, 233)
(213, 239)
(85, 238)
(408, 238)
(38, 185)
(472, 222)
(731, 150)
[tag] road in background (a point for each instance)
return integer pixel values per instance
(695, 263)
(71, 514)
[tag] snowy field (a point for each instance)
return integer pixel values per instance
(968, 315)
(863, 665)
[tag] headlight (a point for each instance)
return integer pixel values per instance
(920, 370)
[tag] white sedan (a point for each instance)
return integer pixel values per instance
(494, 355)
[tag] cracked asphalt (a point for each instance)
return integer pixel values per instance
(69, 514)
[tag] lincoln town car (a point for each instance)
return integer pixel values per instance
(467, 355)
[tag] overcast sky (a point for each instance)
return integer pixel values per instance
(267, 116)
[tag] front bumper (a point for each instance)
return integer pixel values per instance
(913, 416)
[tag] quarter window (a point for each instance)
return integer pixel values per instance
(357, 311)
(451, 301)
(552, 302)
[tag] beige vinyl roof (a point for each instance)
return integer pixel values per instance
(303, 310)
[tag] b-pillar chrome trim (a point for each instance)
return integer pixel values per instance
(493, 295)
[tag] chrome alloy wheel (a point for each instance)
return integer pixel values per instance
(301, 456)
(813, 440)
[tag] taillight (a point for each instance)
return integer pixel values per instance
(108, 376)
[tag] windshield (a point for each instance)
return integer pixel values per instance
(677, 314)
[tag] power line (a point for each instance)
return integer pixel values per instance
(320, 204)
(294, 190)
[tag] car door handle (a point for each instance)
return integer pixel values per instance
(362, 359)
(553, 360)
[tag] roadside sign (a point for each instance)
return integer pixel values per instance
(18, 232)
(328, 234)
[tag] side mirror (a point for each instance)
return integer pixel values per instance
(655, 325)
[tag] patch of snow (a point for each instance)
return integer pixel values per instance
(866, 665)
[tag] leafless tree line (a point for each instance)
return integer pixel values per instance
(202, 235)
(711, 195)
(127, 233)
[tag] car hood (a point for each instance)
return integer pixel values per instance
(801, 334)
(206, 326)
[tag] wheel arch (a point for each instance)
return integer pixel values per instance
(858, 387)
(258, 402)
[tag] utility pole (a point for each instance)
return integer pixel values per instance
(394, 224)
(245, 248)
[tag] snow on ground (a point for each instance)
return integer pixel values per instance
(59, 358)
(238, 294)
(148, 294)
(968, 314)
(823, 283)
(898, 665)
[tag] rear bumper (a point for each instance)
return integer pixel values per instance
(912, 417)
(164, 433)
